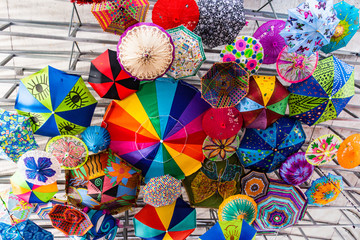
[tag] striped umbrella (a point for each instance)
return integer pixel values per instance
(43, 209)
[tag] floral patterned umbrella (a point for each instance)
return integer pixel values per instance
(219, 150)
(348, 154)
(323, 149)
(255, 184)
(11, 204)
(296, 170)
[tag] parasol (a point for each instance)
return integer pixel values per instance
(26, 230)
(323, 149)
(255, 184)
(348, 154)
(96, 138)
(43, 209)
(11, 204)
(105, 226)
(296, 170)
(219, 150)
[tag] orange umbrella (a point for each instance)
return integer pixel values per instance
(348, 154)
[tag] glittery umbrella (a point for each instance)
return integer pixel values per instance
(323, 149)
(255, 184)
(296, 170)
(348, 154)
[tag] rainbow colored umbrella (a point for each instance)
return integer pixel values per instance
(19, 209)
(230, 230)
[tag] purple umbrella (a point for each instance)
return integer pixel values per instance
(270, 39)
(296, 169)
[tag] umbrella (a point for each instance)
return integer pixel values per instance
(296, 170)
(169, 14)
(175, 221)
(70, 151)
(162, 191)
(310, 26)
(189, 53)
(145, 51)
(108, 79)
(324, 190)
(86, 1)
(269, 36)
(219, 150)
(265, 150)
(158, 129)
(105, 226)
(220, 21)
(323, 149)
(324, 95)
(117, 15)
(96, 138)
(224, 85)
(224, 230)
(43, 209)
(346, 29)
(348, 154)
(26, 230)
(238, 207)
(54, 112)
(294, 67)
(70, 220)
(255, 184)
(11, 204)
(282, 207)
(214, 182)
(246, 51)
(265, 103)
(16, 136)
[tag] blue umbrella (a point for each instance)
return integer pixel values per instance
(235, 229)
(27, 230)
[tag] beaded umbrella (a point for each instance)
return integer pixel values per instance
(323, 149)
(348, 154)
(255, 184)
(296, 170)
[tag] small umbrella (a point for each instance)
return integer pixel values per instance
(11, 204)
(346, 29)
(238, 207)
(269, 36)
(255, 184)
(86, 1)
(324, 95)
(296, 170)
(265, 102)
(169, 14)
(16, 136)
(108, 79)
(265, 150)
(348, 154)
(323, 149)
(225, 230)
(219, 150)
(105, 226)
(324, 190)
(53, 112)
(189, 53)
(145, 51)
(310, 26)
(246, 51)
(220, 21)
(43, 209)
(117, 15)
(96, 138)
(27, 230)
(224, 85)
(175, 221)
(162, 191)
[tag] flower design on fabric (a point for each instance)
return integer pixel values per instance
(229, 58)
(251, 64)
(323, 149)
(218, 150)
(41, 170)
(68, 153)
(325, 193)
(117, 170)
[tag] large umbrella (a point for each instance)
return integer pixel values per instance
(310, 26)
(55, 112)
(265, 102)
(323, 149)
(265, 150)
(348, 154)
(11, 204)
(96, 138)
(158, 129)
(26, 230)
(175, 221)
(296, 170)
(324, 95)
(255, 184)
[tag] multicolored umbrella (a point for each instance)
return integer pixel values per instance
(296, 170)
(16, 136)
(246, 51)
(145, 51)
(175, 221)
(323, 149)
(230, 230)
(348, 154)
(96, 138)
(310, 26)
(255, 184)
(346, 29)
(189, 53)
(108, 79)
(169, 14)
(43, 209)
(324, 190)
(269, 36)
(324, 95)
(219, 150)
(26, 230)
(158, 129)
(105, 226)
(117, 15)
(265, 102)
(265, 150)
(54, 112)
(18, 208)
(218, 27)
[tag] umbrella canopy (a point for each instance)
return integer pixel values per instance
(246, 51)
(282, 207)
(214, 182)
(265, 102)
(169, 14)
(269, 36)
(255, 184)
(16, 136)
(348, 154)
(108, 79)
(224, 85)
(347, 27)
(158, 129)
(220, 21)
(96, 138)
(18, 208)
(324, 190)
(175, 221)
(43, 209)
(310, 26)
(189, 53)
(324, 95)
(145, 51)
(117, 15)
(323, 149)
(26, 230)
(265, 150)
(105, 226)
(54, 112)
(219, 150)
(296, 170)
